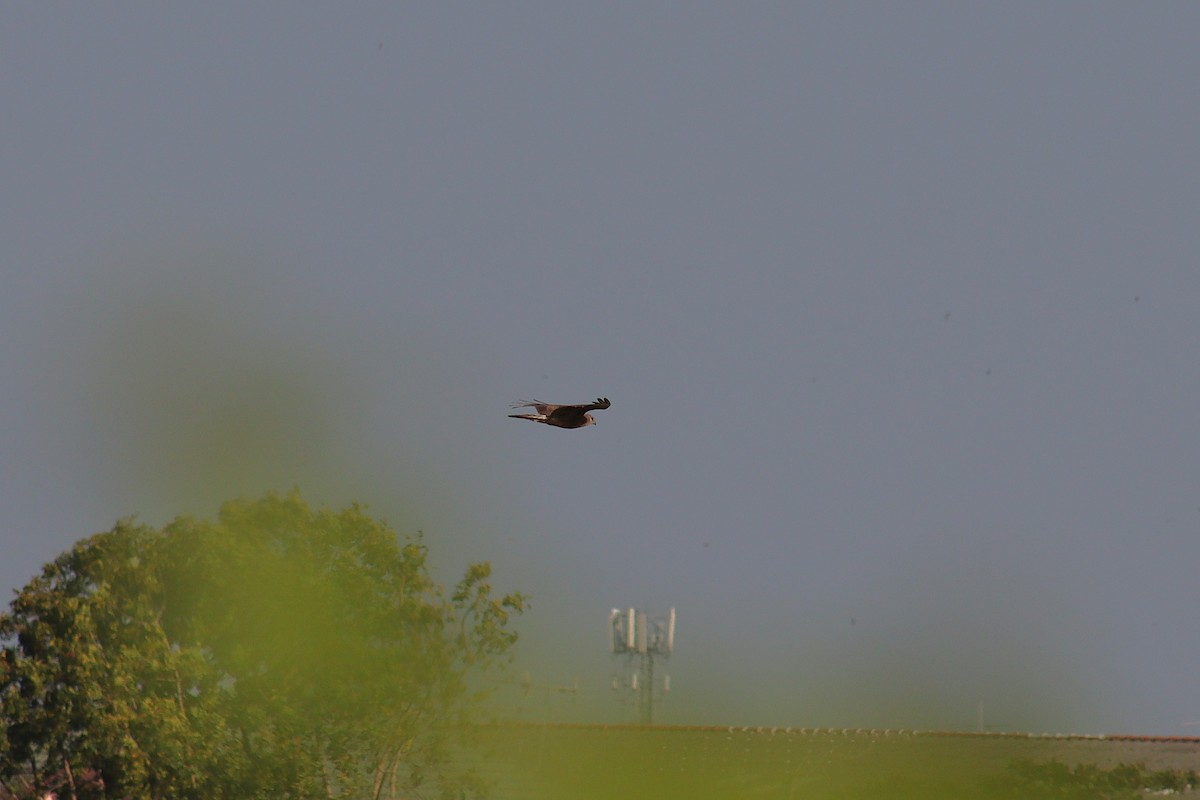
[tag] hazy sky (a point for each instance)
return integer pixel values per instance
(898, 306)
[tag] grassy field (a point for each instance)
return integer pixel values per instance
(590, 762)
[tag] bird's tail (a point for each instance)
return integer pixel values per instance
(534, 417)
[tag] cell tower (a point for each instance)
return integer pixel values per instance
(639, 639)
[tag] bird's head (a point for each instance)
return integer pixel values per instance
(588, 419)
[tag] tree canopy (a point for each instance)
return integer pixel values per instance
(278, 651)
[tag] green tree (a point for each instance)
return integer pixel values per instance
(276, 652)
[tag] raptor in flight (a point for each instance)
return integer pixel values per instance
(561, 416)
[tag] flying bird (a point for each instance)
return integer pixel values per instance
(561, 416)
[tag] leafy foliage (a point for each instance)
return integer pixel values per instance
(276, 652)
(1089, 782)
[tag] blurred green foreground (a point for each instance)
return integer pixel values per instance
(586, 762)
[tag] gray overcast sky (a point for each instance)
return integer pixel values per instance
(897, 305)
